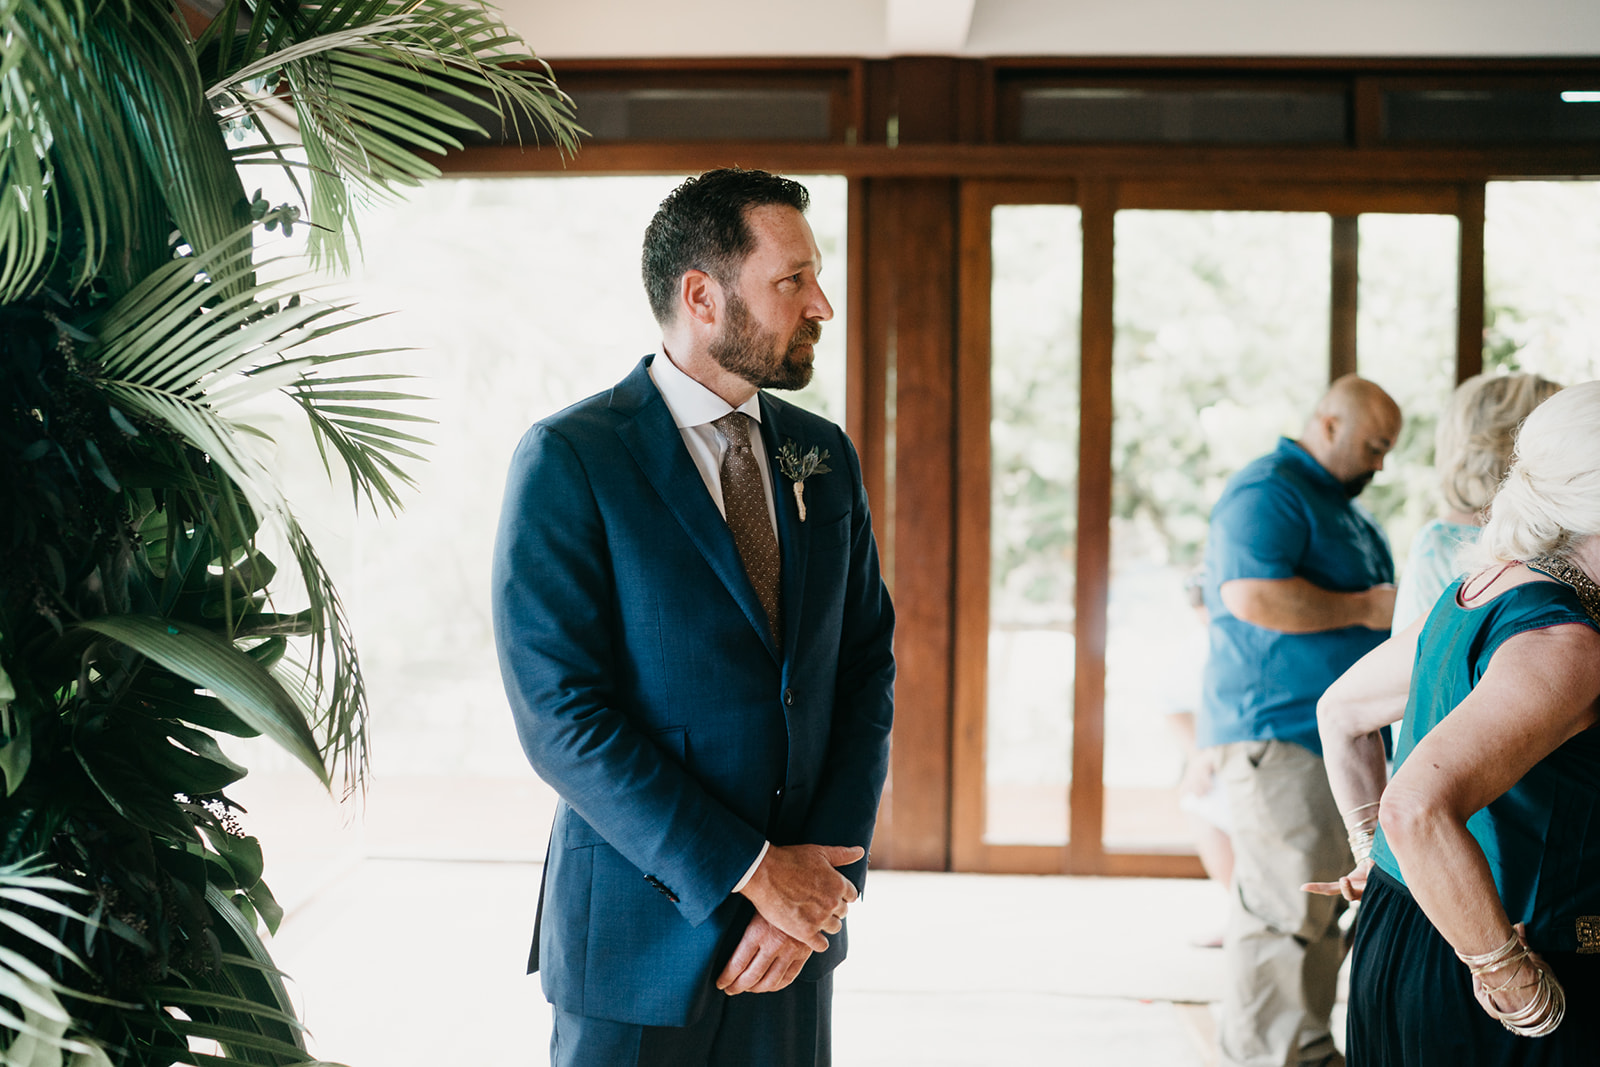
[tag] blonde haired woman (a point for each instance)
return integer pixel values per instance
(1480, 860)
(1472, 449)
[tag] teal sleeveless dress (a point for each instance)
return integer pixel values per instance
(1411, 1000)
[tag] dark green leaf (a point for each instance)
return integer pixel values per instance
(122, 421)
(161, 693)
(238, 681)
(243, 855)
(266, 905)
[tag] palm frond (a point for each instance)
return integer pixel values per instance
(44, 1021)
(244, 984)
(176, 350)
(237, 81)
(329, 683)
(65, 151)
(377, 86)
(182, 145)
(242, 685)
(353, 422)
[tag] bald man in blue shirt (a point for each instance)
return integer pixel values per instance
(1299, 587)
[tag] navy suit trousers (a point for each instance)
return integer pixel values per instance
(789, 1028)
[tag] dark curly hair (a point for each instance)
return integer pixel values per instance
(701, 226)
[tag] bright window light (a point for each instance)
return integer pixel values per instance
(1581, 96)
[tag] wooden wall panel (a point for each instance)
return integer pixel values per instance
(1097, 200)
(1342, 303)
(970, 677)
(863, 415)
(1202, 163)
(1343, 198)
(922, 253)
(875, 269)
(1469, 291)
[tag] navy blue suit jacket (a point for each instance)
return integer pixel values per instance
(647, 691)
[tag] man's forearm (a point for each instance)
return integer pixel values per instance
(1297, 606)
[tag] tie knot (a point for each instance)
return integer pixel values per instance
(735, 426)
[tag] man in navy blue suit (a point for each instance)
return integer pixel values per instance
(696, 644)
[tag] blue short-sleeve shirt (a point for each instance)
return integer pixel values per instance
(1284, 516)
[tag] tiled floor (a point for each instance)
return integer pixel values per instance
(406, 963)
(407, 951)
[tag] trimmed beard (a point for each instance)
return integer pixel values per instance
(1353, 486)
(745, 349)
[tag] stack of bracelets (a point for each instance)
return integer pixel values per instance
(1543, 1012)
(1363, 832)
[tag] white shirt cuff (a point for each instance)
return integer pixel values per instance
(752, 871)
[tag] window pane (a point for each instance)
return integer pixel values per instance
(1221, 345)
(1037, 265)
(1182, 116)
(705, 114)
(1406, 339)
(1488, 116)
(1542, 271)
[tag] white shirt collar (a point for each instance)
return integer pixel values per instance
(691, 403)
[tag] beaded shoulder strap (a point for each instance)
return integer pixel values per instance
(1567, 574)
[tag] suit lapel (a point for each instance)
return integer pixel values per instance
(793, 534)
(656, 444)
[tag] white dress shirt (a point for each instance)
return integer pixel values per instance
(694, 408)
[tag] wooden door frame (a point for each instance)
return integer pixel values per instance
(1098, 200)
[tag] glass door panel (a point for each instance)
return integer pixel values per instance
(1035, 296)
(1542, 270)
(1126, 362)
(1406, 340)
(1221, 345)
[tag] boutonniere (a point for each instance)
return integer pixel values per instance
(797, 468)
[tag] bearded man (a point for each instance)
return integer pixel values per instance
(696, 644)
(1299, 585)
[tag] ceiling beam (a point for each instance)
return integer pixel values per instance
(928, 27)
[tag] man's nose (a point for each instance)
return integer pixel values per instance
(818, 307)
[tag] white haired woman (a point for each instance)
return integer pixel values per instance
(1479, 863)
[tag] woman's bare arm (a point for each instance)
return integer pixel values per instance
(1539, 690)
(1361, 702)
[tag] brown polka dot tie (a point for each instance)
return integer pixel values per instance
(745, 503)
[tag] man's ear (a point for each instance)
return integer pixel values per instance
(700, 296)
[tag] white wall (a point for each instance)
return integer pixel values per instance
(644, 28)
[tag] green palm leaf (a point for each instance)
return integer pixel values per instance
(377, 86)
(64, 139)
(184, 151)
(44, 1021)
(252, 1015)
(105, 117)
(194, 337)
(242, 685)
(125, 235)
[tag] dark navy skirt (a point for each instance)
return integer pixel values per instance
(1411, 1002)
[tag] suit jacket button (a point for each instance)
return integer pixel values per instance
(788, 698)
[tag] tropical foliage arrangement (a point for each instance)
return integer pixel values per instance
(140, 615)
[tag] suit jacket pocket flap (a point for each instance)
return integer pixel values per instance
(579, 834)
